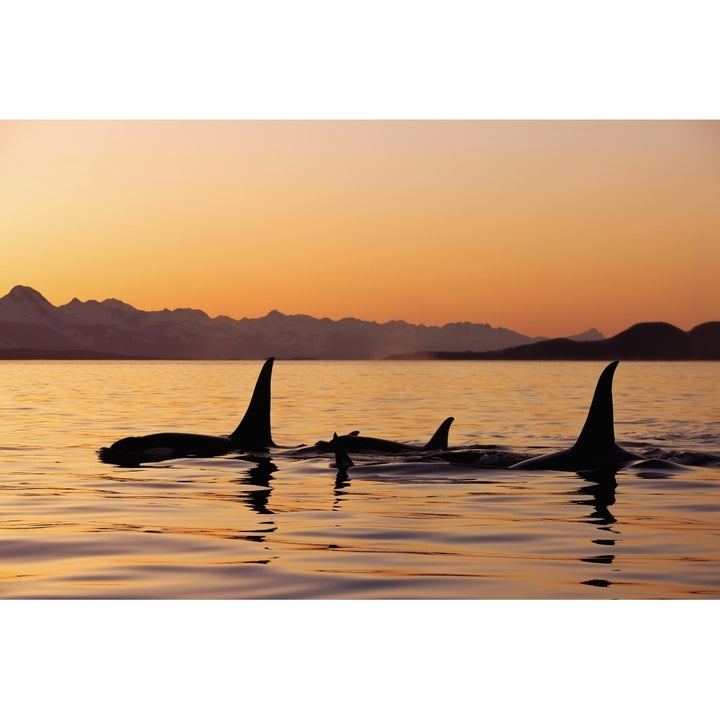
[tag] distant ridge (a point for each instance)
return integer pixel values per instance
(644, 341)
(31, 327)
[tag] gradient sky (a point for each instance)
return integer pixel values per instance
(545, 227)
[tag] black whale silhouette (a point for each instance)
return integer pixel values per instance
(252, 434)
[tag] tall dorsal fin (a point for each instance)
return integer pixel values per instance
(439, 441)
(598, 431)
(253, 432)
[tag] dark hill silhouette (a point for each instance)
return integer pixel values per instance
(707, 337)
(644, 341)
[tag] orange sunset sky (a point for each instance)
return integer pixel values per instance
(546, 227)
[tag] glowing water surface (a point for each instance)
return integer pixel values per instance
(225, 527)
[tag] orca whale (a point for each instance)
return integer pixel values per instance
(595, 448)
(252, 434)
(359, 444)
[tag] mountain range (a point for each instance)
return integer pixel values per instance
(644, 341)
(31, 327)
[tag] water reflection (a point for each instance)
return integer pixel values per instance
(600, 494)
(597, 582)
(342, 481)
(258, 478)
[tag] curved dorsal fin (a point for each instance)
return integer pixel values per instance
(598, 431)
(439, 441)
(253, 432)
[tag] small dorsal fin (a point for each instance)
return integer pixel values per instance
(598, 433)
(439, 441)
(253, 432)
(354, 433)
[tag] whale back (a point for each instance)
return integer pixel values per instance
(253, 432)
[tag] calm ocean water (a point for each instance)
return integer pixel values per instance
(72, 527)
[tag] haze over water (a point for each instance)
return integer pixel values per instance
(230, 528)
